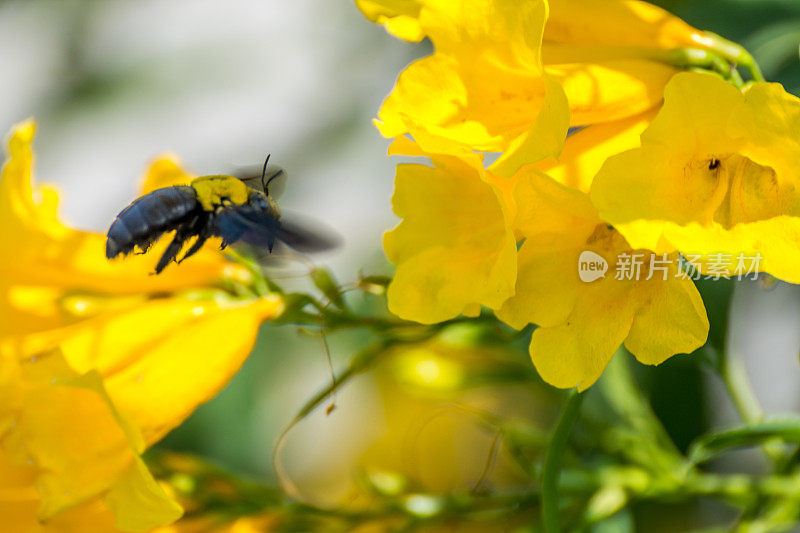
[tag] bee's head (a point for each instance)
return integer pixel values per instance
(265, 181)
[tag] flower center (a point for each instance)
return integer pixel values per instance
(737, 189)
(607, 240)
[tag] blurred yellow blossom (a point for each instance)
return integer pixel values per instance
(445, 423)
(715, 175)
(147, 349)
(69, 442)
(257, 523)
(430, 433)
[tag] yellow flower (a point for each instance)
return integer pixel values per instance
(454, 249)
(715, 176)
(484, 88)
(582, 321)
(155, 346)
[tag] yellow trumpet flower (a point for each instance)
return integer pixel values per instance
(715, 176)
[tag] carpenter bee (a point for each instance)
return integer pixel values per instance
(210, 206)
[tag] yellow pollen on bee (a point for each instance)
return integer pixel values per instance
(212, 190)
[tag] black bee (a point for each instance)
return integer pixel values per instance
(210, 206)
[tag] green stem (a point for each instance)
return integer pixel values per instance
(740, 390)
(552, 460)
(623, 395)
(714, 54)
(735, 54)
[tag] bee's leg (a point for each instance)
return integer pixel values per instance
(171, 252)
(203, 230)
(198, 243)
(182, 234)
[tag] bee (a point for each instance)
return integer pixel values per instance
(210, 206)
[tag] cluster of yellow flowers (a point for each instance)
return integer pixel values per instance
(675, 158)
(99, 360)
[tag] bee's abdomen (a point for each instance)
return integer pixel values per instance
(147, 218)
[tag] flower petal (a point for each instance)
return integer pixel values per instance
(484, 87)
(164, 171)
(555, 222)
(482, 107)
(672, 319)
(618, 22)
(768, 118)
(40, 256)
(771, 246)
(543, 138)
(695, 114)
(138, 502)
(586, 150)
(454, 247)
(546, 288)
(68, 429)
(182, 354)
(399, 17)
(611, 90)
(575, 353)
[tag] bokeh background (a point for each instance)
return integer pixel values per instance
(221, 83)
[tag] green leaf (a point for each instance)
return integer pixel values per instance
(323, 279)
(715, 443)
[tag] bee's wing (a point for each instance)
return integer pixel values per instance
(307, 235)
(247, 226)
(261, 230)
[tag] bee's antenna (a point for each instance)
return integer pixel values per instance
(266, 187)
(263, 173)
